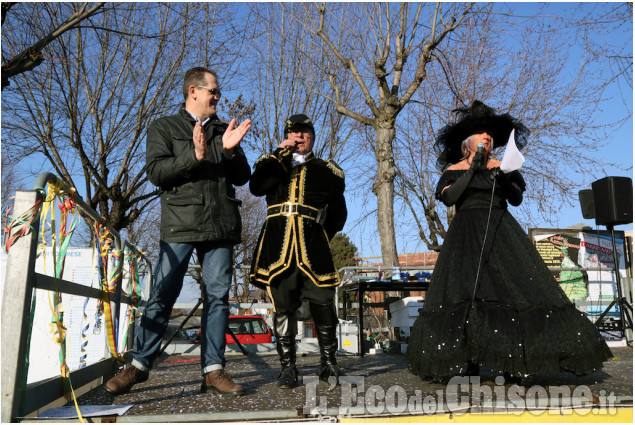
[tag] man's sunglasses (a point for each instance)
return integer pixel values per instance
(213, 92)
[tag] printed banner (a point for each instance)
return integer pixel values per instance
(586, 250)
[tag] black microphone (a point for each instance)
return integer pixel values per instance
(480, 147)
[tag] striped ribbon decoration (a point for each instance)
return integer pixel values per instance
(108, 282)
(66, 206)
(83, 352)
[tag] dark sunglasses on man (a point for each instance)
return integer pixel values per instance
(213, 92)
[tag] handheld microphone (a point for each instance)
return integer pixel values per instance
(480, 147)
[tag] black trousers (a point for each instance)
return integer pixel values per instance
(294, 287)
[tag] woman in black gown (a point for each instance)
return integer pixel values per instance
(509, 314)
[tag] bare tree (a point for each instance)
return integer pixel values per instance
(372, 44)
(601, 23)
(87, 111)
(286, 65)
(287, 77)
(86, 107)
(519, 65)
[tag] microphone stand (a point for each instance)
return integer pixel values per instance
(480, 148)
(480, 258)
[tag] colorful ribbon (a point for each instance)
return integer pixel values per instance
(108, 282)
(13, 229)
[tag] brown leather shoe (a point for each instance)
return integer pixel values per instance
(121, 383)
(220, 382)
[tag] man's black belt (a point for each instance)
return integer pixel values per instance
(292, 208)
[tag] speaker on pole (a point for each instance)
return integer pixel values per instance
(586, 203)
(610, 202)
(613, 200)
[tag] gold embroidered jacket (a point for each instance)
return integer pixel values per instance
(306, 208)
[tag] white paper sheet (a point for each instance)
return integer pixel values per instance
(512, 159)
(69, 412)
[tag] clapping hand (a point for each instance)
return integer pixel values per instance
(200, 146)
(233, 136)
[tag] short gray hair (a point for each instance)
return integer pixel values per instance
(465, 147)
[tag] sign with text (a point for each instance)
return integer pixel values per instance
(591, 251)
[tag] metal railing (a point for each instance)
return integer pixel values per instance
(19, 399)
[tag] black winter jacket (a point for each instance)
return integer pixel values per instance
(198, 201)
(286, 240)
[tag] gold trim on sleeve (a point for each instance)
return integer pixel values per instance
(336, 169)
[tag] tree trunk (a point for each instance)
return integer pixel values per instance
(383, 188)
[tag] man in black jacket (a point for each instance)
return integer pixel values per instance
(293, 261)
(194, 159)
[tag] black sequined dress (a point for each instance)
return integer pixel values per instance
(520, 322)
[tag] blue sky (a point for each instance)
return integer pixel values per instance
(619, 148)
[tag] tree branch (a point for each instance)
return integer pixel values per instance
(32, 56)
(5, 8)
(380, 64)
(430, 45)
(348, 64)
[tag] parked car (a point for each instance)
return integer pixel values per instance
(248, 329)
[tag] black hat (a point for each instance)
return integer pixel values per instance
(474, 119)
(297, 119)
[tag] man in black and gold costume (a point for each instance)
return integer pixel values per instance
(293, 262)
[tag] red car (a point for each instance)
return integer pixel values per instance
(248, 329)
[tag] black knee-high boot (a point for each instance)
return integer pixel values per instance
(325, 321)
(285, 329)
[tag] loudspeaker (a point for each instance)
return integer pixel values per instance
(586, 203)
(613, 200)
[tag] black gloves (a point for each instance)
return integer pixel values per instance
(512, 184)
(513, 192)
(452, 194)
(477, 161)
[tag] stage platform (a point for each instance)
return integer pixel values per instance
(390, 394)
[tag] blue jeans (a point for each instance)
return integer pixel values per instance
(216, 263)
